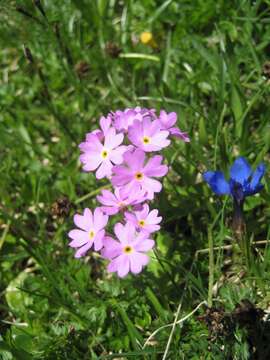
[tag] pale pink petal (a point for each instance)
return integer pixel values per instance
(115, 264)
(135, 133)
(122, 175)
(148, 127)
(105, 170)
(82, 221)
(100, 220)
(120, 233)
(105, 124)
(178, 133)
(99, 134)
(143, 214)
(167, 120)
(98, 240)
(107, 198)
(149, 228)
(153, 217)
(156, 171)
(88, 146)
(137, 261)
(152, 185)
(123, 266)
(111, 248)
(116, 156)
(90, 160)
(79, 238)
(109, 210)
(112, 140)
(135, 159)
(131, 218)
(160, 139)
(94, 140)
(82, 251)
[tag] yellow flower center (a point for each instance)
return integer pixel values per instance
(104, 154)
(146, 37)
(91, 234)
(139, 176)
(146, 140)
(142, 223)
(127, 249)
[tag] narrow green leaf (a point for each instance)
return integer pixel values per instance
(135, 336)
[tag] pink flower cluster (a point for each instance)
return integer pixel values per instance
(121, 152)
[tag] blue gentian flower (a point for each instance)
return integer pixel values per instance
(243, 182)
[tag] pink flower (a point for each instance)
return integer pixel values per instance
(167, 121)
(120, 199)
(96, 155)
(91, 231)
(147, 135)
(127, 254)
(144, 220)
(123, 119)
(134, 175)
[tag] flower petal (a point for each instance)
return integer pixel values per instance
(98, 240)
(256, 177)
(112, 140)
(105, 170)
(123, 266)
(137, 261)
(82, 251)
(100, 220)
(135, 159)
(217, 182)
(240, 170)
(79, 238)
(111, 248)
(90, 160)
(144, 245)
(84, 221)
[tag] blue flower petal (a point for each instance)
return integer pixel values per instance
(240, 170)
(217, 182)
(256, 177)
(248, 191)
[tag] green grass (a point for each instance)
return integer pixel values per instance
(57, 79)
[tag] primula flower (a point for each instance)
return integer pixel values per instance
(96, 155)
(127, 254)
(144, 220)
(120, 199)
(91, 231)
(243, 182)
(147, 135)
(134, 175)
(124, 119)
(167, 121)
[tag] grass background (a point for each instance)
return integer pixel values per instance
(63, 65)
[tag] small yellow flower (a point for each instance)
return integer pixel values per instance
(147, 38)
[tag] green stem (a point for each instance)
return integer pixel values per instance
(92, 193)
(211, 268)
